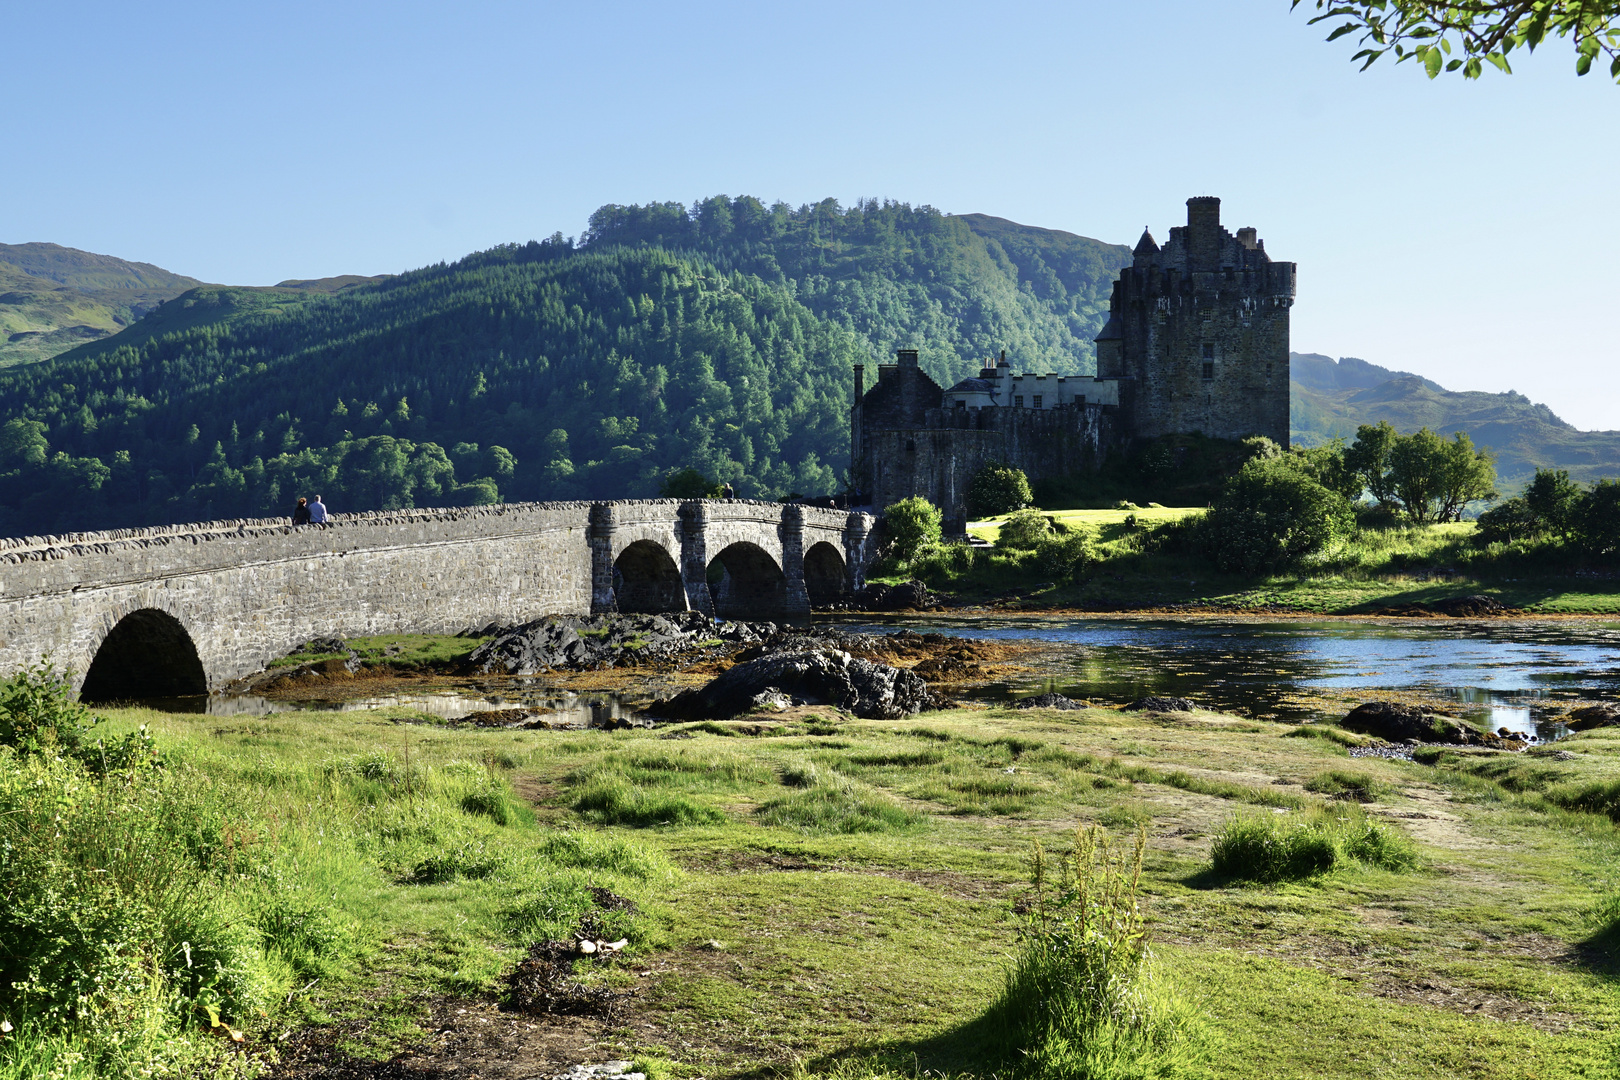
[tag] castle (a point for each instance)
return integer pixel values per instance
(1196, 341)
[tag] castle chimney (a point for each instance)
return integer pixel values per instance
(1249, 238)
(860, 381)
(1203, 232)
(907, 357)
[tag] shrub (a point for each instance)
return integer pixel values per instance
(1026, 530)
(1271, 514)
(1278, 847)
(1597, 519)
(1063, 556)
(687, 483)
(940, 563)
(38, 716)
(1077, 1001)
(911, 525)
(996, 489)
(1510, 521)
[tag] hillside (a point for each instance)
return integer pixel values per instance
(532, 372)
(1330, 400)
(720, 338)
(53, 298)
(956, 288)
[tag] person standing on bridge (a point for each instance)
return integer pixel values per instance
(317, 512)
(301, 512)
(728, 492)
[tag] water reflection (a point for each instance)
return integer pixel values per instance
(1268, 669)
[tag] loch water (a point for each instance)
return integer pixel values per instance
(1507, 673)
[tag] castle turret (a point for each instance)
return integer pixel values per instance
(1197, 333)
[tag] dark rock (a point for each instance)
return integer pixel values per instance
(810, 677)
(1587, 717)
(576, 643)
(1161, 704)
(1393, 721)
(910, 596)
(1049, 701)
(1468, 606)
(323, 645)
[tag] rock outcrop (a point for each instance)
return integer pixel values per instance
(1049, 701)
(1160, 705)
(1587, 717)
(810, 677)
(1394, 721)
(579, 643)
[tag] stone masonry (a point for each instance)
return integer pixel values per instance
(1196, 341)
(242, 593)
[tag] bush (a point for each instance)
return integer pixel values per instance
(1512, 520)
(997, 489)
(1063, 556)
(1077, 1002)
(911, 525)
(1278, 847)
(38, 716)
(1597, 519)
(1026, 530)
(1271, 514)
(687, 483)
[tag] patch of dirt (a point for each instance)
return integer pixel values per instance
(944, 882)
(1429, 821)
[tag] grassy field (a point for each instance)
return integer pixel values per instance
(1378, 568)
(821, 895)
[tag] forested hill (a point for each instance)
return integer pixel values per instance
(957, 288)
(534, 372)
(719, 337)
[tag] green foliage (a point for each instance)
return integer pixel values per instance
(38, 716)
(1062, 557)
(996, 489)
(1434, 479)
(1554, 499)
(1271, 514)
(910, 526)
(1026, 530)
(687, 483)
(1598, 522)
(1484, 31)
(1077, 1002)
(1277, 847)
(1508, 521)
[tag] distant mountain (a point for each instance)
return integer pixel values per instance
(54, 298)
(1333, 398)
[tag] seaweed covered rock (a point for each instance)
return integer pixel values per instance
(1160, 705)
(808, 677)
(1049, 701)
(578, 643)
(1587, 717)
(1394, 721)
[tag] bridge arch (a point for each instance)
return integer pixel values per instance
(751, 583)
(826, 577)
(148, 653)
(648, 581)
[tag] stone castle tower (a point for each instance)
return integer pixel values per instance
(1197, 333)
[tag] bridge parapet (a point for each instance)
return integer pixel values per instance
(249, 590)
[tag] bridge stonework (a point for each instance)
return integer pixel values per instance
(243, 593)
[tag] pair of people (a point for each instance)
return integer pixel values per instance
(309, 513)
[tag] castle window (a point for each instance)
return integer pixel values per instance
(1209, 351)
(1209, 369)
(1018, 402)
(911, 445)
(961, 403)
(1268, 371)
(1037, 401)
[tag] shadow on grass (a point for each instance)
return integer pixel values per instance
(967, 1049)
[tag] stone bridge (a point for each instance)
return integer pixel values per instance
(181, 609)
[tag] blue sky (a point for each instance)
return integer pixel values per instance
(1466, 231)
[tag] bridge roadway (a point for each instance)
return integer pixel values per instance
(181, 609)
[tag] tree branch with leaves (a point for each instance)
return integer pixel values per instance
(1467, 35)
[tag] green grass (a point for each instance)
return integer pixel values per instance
(1377, 568)
(871, 892)
(1273, 847)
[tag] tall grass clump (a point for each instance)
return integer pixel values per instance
(836, 805)
(609, 799)
(1078, 1001)
(1273, 847)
